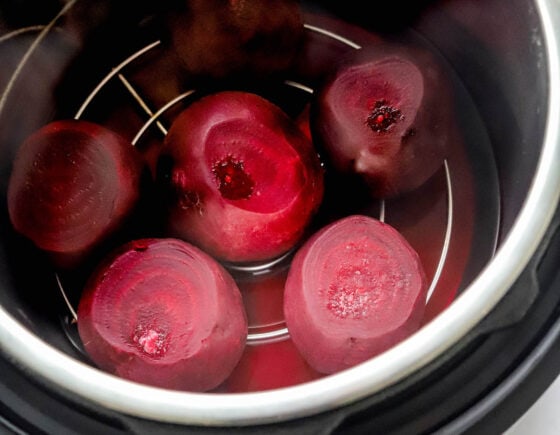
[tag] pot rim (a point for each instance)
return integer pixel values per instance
(210, 409)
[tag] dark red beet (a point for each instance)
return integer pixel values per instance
(302, 121)
(243, 180)
(163, 313)
(224, 38)
(386, 114)
(354, 289)
(72, 184)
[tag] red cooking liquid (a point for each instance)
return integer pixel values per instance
(421, 216)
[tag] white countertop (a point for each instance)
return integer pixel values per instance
(543, 418)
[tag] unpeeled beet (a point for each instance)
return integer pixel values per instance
(229, 38)
(241, 179)
(163, 313)
(73, 183)
(386, 114)
(354, 289)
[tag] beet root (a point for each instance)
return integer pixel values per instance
(354, 289)
(219, 39)
(387, 116)
(163, 313)
(242, 180)
(73, 183)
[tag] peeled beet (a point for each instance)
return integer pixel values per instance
(354, 289)
(241, 179)
(73, 183)
(163, 313)
(225, 38)
(386, 114)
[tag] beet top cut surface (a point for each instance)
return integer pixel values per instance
(242, 180)
(354, 289)
(386, 114)
(73, 183)
(163, 313)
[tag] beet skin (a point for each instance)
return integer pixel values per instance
(354, 289)
(73, 183)
(163, 313)
(386, 114)
(241, 179)
(229, 38)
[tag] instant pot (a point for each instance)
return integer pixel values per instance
(485, 227)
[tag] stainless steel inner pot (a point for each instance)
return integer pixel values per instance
(506, 57)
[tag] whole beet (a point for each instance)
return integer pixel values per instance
(241, 179)
(73, 183)
(354, 289)
(233, 38)
(163, 313)
(386, 113)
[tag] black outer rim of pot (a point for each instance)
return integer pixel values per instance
(483, 385)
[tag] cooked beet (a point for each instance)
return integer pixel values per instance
(73, 183)
(163, 313)
(225, 38)
(302, 121)
(354, 289)
(242, 180)
(386, 114)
